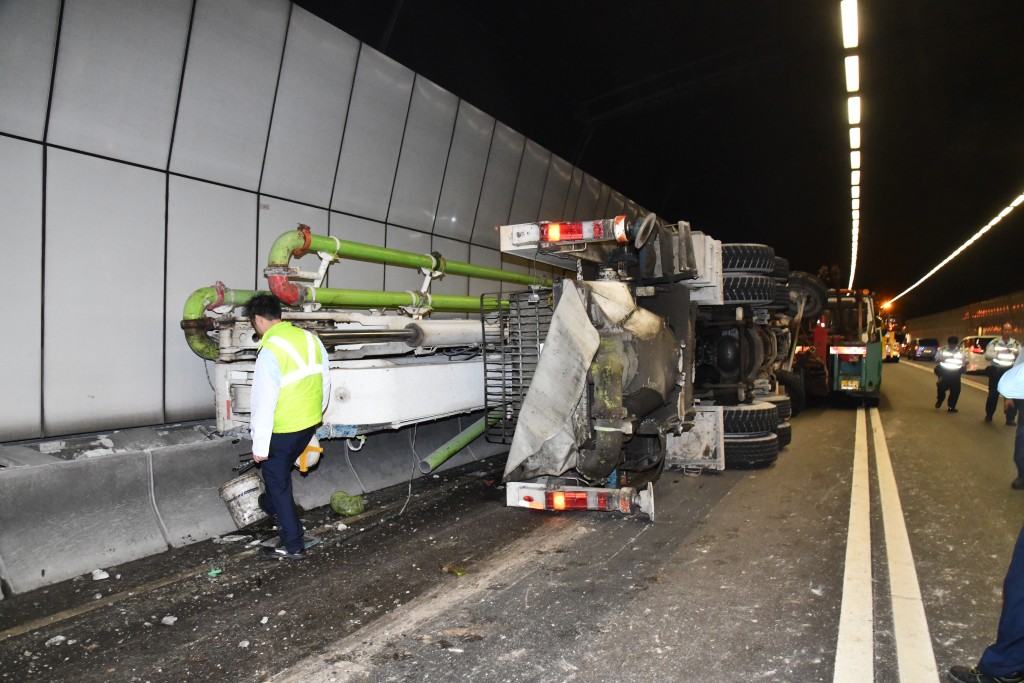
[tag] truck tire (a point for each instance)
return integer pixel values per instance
(749, 452)
(781, 302)
(781, 271)
(784, 431)
(748, 289)
(794, 386)
(750, 418)
(782, 403)
(817, 293)
(748, 258)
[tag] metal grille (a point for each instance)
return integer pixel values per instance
(513, 339)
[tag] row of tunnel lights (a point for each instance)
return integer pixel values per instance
(851, 39)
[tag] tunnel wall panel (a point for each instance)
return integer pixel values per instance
(227, 95)
(499, 184)
(104, 246)
(28, 33)
(204, 223)
(464, 172)
(21, 192)
(310, 110)
(373, 136)
(117, 78)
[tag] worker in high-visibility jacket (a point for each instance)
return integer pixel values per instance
(290, 390)
(1001, 353)
(949, 365)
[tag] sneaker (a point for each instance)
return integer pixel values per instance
(952, 410)
(938, 404)
(963, 674)
(282, 554)
(1017, 483)
(988, 418)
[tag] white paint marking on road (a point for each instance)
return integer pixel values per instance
(855, 648)
(914, 652)
(963, 381)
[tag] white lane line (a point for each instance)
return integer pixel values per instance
(930, 369)
(914, 652)
(855, 647)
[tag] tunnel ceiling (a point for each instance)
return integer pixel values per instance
(732, 115)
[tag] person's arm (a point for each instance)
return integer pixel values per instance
(266, 385)
(326, 372)
(990, 349)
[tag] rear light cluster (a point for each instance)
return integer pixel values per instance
(585, 231)
(539, 496)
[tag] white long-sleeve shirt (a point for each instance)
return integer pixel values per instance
(266, 385)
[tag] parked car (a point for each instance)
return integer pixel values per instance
(923, 349)
(974, 354)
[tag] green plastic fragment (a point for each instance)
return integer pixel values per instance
(346, 505)
(214, 571)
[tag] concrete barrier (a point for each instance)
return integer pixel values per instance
(62, 518)
(186, 479)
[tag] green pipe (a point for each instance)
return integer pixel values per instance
(196, 326)
(459, 441)
(361, 298)
(293, 243)
(193, 321)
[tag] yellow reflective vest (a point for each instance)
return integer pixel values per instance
(301, 395)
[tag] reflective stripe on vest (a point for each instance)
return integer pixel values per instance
(951, 360)
(300, 397)
(1006, 354)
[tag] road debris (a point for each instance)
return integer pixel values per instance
(231, 538)
(168, 620)
(214, 571)
(99, 575)
(244, 643)
(346, 505)
(56, 640)
(452, 568)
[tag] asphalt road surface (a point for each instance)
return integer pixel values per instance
(874, 548)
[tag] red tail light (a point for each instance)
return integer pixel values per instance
(573, 231)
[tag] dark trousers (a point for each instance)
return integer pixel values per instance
(994, 373)
(1006, 655)
(277, 479)
(948, 382)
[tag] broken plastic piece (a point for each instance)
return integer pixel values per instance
(168, 620)
(452, 568)
(99, 574)
(346, 505)
(214, 571)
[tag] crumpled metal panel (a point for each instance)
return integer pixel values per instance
(545, 439)
(619, 308)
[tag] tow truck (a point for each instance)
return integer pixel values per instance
(844, 354)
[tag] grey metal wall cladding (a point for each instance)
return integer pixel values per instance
(28, 32)
(21, 193)
(183, 138)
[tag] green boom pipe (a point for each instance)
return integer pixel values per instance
(196, 325)
(301, 241)
(459, 441)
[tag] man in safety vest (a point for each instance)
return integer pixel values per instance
(949, 365)
(1001, 353)
(290, 389)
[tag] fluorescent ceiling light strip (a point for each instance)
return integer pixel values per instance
(852, 73)
(974, 238)
(848, 9)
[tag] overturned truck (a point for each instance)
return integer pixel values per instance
(659, 351)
